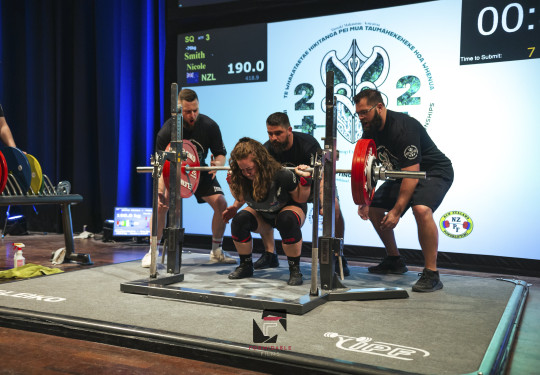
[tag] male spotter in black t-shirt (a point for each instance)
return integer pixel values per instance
(403, 144)
(291, 149)
(296, 148)
(205, 135)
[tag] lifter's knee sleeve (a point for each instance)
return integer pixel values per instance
(288, 225)
(242, 225)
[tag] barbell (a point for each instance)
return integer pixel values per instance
(366, 171)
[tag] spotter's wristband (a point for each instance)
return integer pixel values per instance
(305, 181)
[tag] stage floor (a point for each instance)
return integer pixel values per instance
(446, 332)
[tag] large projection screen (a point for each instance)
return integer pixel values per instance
(468, 71)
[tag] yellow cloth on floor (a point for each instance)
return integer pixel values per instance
(28, 270)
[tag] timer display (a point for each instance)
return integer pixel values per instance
(223, 56)
(499, 30)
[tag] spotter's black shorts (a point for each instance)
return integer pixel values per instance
(207, 186)
(429, 192)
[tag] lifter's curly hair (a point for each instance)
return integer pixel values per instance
(267, 167)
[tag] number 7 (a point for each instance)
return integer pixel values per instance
(532, 51)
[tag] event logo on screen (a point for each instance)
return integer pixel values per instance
(353, 73)
(361, 55)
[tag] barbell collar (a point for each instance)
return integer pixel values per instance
(382, 174)
(145, 169)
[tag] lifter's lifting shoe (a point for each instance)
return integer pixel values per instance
(242, 271)
(429, 281)
(295, 277)
(267, 260)
(390, 264)
(220, 256)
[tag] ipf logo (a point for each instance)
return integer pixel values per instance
(456, 224)
(270, 318)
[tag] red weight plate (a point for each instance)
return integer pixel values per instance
(3, 172)
(364, 149)
(188, 181)
(166, 169)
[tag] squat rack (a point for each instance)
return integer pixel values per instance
(325, 249)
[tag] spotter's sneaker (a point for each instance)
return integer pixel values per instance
(145, 262)
(220, 256)
(389, 265)
(429, 281)
(267, 260)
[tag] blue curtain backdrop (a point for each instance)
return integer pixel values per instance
(81, 83)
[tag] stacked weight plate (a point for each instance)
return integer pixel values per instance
(21, 174)
(22, 182)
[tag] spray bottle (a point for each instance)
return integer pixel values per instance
(18, 258)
